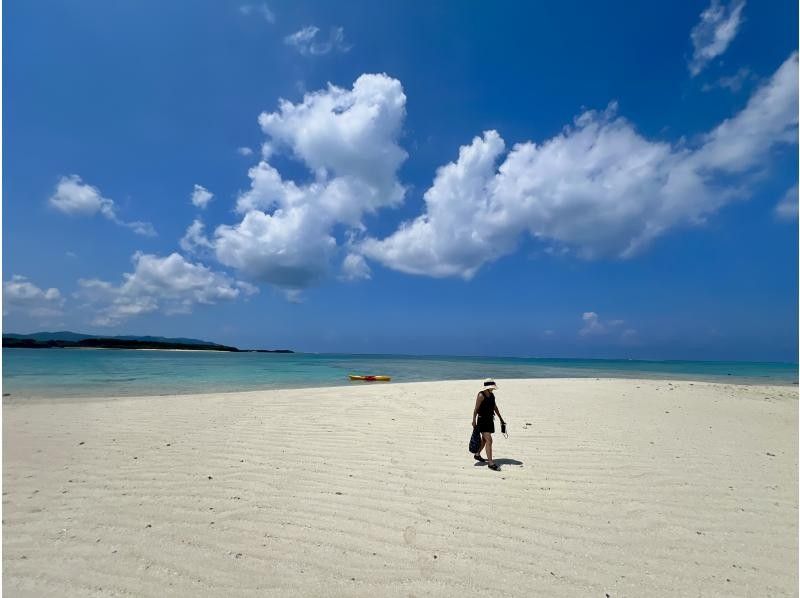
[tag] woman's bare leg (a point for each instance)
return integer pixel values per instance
(487, 442)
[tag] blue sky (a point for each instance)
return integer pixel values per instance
(571, 179)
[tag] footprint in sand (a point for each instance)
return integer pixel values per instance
(426, 567)
(410, 535)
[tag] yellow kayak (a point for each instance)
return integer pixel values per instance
(371, 378)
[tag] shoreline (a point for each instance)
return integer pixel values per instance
(625, 487)
(737, 382)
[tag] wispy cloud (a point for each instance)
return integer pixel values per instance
(734, 82)
(261, 10)
(195, 238)
(354, 267)
(594, 326)
(718, 25)
(307, 43)
(244, 151)
(630, 336)
(787, 207)
(76, 198)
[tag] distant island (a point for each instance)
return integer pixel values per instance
(66, 339)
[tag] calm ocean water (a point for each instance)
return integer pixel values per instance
(94, 373)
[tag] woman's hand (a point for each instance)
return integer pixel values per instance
(473, 423)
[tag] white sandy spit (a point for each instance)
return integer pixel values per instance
(608, 488)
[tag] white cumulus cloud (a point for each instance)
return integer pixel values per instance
(244, 151)
(347, 140)
(76, 198)
(459, 230)
(306, 42)
(598, 189)
(170, 284)
(201, 196)
(718, 26)
(23, 297)
(290, 248)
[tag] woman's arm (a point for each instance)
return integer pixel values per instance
(497, 411)
(478, 402)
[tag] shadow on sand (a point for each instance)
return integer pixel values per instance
(501, 461)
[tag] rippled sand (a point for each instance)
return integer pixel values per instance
(608, 487)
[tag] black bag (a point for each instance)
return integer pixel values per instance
(475, 440)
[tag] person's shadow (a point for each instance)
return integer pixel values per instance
(507, 462)
(501, 461)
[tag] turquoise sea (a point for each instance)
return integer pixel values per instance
(109, 373)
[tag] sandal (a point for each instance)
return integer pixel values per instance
(479, 458)
(494, 466)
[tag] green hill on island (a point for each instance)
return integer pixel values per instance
(67, 339)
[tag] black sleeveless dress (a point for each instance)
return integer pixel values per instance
(486, 413)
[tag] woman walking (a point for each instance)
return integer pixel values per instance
(483, 419)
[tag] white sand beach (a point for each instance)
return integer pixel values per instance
(608, 488)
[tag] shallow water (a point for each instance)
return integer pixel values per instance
(95, 373)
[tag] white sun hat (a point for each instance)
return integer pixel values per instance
(488, 384)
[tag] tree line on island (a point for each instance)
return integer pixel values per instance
(65, 339)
